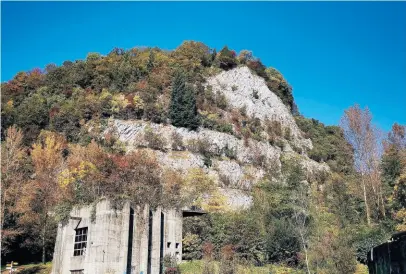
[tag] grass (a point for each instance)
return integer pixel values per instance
(196, 267)
(31, 269)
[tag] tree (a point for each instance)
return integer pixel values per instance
(41, 192)
(13, 173)
(227, 59)
(244, 56)
(192, 56)
(362, 135)
(394, 173)
(183, 109)
(151, 61)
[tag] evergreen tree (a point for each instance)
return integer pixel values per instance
(183, 109)
(190, 115)
(151, 60)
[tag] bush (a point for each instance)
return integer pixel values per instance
(177, 141)
(288, 134)
(191, 245)
(227, 59)
(273, 128)
(212, 121)
(225, 179)
(230, 152)
(255, 94)
(258, 67)
(170, 265)
(228, 264)
(155, 141)
(282, 244)
(243, 111)
(221, 100)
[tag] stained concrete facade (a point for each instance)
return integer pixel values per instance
(130, 240)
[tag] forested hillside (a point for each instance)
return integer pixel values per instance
(317, 197)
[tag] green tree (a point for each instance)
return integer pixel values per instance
(227, 59)
(183, 109)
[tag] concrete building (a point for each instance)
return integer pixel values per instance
(107, 241)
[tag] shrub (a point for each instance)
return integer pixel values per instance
(282, 243)
(230, 152)
(207, 161)
(154, 140)
(225, 179)
(170, 266)
(221, 100)
(279, 143)
(255, 125)
(228, 264)
(227, 59)
(224, 127)
(243, 111)
(191, 245)
(255, 94)
(212, 121)
(258, 67)
(177, 141)
(273, 127)
(288, 134)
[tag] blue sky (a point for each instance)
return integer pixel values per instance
(334, 54)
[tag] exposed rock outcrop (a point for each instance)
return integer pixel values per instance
(242, 88)
(236, 165)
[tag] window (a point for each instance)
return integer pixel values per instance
(80, 271)
(80, 244)
(177, 245)
(168, 244)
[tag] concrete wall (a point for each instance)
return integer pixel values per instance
(107, 241)
(109, 249)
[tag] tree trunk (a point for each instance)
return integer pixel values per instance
(305, 250)
(365, 200)
(43, 241)
(382, 202)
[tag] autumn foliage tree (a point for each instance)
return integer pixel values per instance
(394, 173)
(41, 192)
(363, 136)
(14, 171)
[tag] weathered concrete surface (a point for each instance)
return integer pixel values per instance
(108, 240)
(106, 250)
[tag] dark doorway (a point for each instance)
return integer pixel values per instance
(161, 250)
(149, 242)
(130, 241)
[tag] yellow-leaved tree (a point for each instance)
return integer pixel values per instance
(13, 173)
(41, 192)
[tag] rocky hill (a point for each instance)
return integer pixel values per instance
(191, 126)
(235, 164)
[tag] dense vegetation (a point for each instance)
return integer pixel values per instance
(55, 155)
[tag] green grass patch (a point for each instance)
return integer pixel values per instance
(196, 267)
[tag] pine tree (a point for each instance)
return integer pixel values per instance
(151, 60)
(183, 109)
(190, 116)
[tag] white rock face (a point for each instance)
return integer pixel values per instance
(250, 163)
(267, 106)
(235, 177)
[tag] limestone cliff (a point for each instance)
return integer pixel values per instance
(236, 165)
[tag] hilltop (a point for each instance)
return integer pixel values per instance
(192, 126)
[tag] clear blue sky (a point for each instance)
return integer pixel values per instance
(334, 54)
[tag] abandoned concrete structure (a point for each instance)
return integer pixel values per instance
(105, 240)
